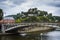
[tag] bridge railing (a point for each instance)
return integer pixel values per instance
(6, 26)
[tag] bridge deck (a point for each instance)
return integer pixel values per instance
(15, 27)
(27, 24)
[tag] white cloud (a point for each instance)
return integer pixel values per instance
(23, 7)
(40, 4)
(8, 2)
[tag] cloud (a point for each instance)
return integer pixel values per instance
(16, 6)
(57, 12)
(8, 3)
(55, 3)
(2, 0)
(23, 7)
(18, 1)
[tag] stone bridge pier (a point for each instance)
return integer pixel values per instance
(3, 28)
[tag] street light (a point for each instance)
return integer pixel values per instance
(41, 35)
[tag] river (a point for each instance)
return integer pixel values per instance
(54, 35)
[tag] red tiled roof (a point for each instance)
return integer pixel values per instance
(7, 21)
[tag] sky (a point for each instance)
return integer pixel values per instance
(11, 7)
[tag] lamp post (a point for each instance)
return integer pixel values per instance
(41, 35)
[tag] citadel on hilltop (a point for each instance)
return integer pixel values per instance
(35, 15)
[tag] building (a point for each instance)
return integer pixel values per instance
(31, 12)
(7, 20)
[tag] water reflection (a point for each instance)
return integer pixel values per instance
(54, 35)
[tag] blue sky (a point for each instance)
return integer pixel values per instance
(15, 6)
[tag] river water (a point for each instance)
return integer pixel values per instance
(54, 35)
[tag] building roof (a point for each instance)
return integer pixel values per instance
(8, 18)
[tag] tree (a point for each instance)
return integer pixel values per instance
(41, 13)
(1, 14)
(50, 14)
(45, 13)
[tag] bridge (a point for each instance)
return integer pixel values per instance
(15, 27)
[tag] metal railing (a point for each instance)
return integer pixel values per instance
(7, 26)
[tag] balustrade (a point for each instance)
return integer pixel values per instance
(7, 26)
